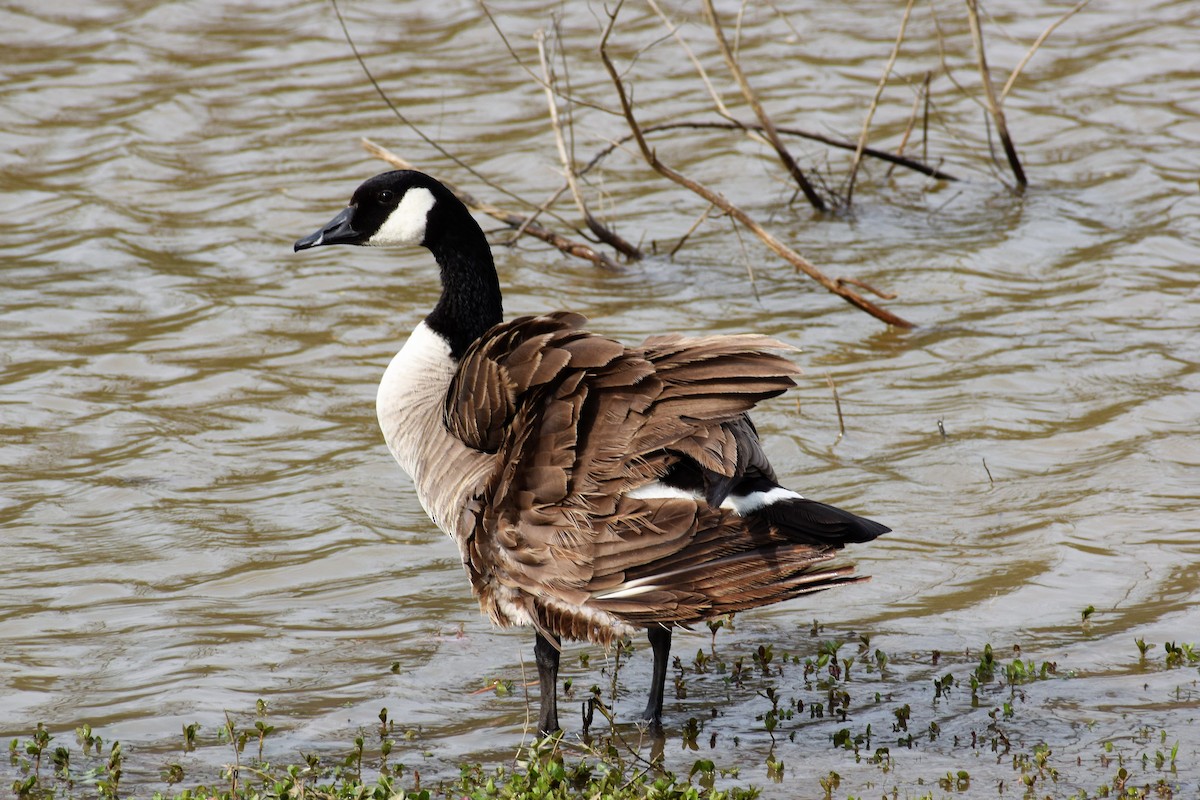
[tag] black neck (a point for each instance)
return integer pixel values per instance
(470, 301)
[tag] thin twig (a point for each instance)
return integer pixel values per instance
(882, 155)
(601, 231)
(722, 109)
(868, 287)
(568, 246)
(1038, 43)
(781, 150)
(579, 101)
(949, 73)
(993, 102)
(746, 257)
(537, 212)
(528, 706)
(699, 221)
(786, 21)
(800, 263)
(837, 403)
(925, 120)
(912, 120)
(409, 123)
(236, 767)
(966, 93)
(879, 87)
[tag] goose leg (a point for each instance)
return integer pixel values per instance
(660, 643)
(545, 653)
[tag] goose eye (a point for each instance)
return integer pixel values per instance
(386, 197)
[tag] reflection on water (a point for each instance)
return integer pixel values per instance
(198, 511)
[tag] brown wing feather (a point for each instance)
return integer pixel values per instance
(577, 421)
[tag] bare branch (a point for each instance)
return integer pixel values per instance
(922, 94)
(722, 109)
(793, 168)
(837, 402)
(682, 239)
(409, 123)
(779, 248)
(1038, 43)
(549, 201)
(887, 71)
(516, 57)
(746, 257)
(993, 103)
(577, 249)
(882, 155)
(601, 231)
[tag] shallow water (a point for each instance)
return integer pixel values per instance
(196, 507)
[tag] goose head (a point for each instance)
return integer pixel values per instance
(406, 207)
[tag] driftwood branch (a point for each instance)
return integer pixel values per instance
(800, 263)
(993, 102)
(516, 221)
(764, 119)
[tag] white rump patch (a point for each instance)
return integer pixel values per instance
(657, 490)
(748, 504)
(406, 225)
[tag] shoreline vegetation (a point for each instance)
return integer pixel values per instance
(890, 725)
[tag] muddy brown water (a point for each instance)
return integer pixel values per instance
(196, 509)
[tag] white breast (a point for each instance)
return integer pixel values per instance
(409, 405)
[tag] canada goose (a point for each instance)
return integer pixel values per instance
(592, 488)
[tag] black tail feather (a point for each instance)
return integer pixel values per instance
(808, 521)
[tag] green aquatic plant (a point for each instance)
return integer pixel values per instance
(1143, 648)
(109, 784)
(1178, 655)
(189, 737)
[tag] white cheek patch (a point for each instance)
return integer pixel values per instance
(406, 225)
